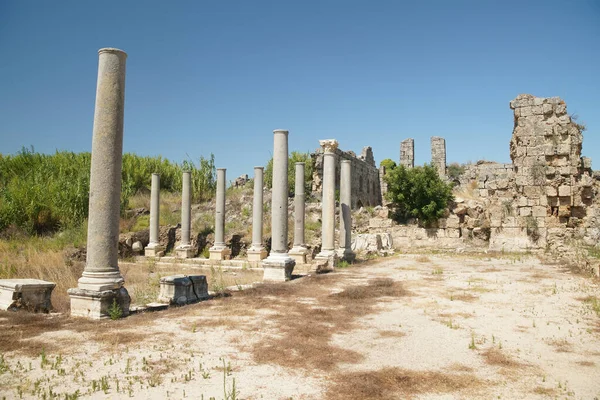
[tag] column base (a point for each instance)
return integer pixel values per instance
(96, 304)
(257, 253)
(325, 261)
(154, 250)
(298, 253)
(219, 253)
(346, 255)
(184, 251)
(278, 267)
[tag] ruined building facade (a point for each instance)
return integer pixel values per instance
(366, 185)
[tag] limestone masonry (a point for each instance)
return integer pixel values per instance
(366, 185)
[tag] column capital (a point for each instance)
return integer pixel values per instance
(329, 145)
(261, 168)
(284, 131)
(112, 50)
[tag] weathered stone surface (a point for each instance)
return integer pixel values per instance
(29, 294)
(183, 289)
(407, 153)
(438, 154)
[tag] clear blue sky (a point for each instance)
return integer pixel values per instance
(218, 76)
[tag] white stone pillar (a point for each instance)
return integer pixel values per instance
(101, 282)
(154, 249)
(345, 241)
(299, 251)
(279, 265)
(220, 251)
(257, 251)
(185, 249)
(327, 258)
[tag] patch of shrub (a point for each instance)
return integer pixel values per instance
(293, 159)
(418, 193)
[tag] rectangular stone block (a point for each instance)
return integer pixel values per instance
(182, 289)
(30, 294)
(524, 211)
(539, 211)
(564, 190)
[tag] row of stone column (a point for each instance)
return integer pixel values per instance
(101, 283)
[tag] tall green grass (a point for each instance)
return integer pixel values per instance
(42, 193)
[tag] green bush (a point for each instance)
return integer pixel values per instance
(455, 170)
(417, 193)
(388, 163)
(293, 159)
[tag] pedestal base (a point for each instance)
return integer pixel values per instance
(30, 294)
(154, 250)
(182, 289)
(96, 305)
(278, 267)
(184, 252)
(299, 254)
(219, 254)
(325, 261)
(257, 254)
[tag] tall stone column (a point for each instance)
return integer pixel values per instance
(257, 251)
(345, 250)
(154, 249)
(279, 265)
(185, 249)
(101, 282)
(220, 251)
(299, 251)
(407, 153)
(328, 257)
(438, 154)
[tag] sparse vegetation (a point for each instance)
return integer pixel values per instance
(293, 159)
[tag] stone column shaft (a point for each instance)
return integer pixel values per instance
(299, 251)
(220, 251)
(345, 211)
(257, 251)
(154, 249)
(101, 270)
(154, 208)
(101, 282)
(279, 265)
(185, 250)
(328, 203)
(186, 208)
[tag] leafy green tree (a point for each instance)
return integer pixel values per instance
(388, 163)
(417, 193)
(294, 157)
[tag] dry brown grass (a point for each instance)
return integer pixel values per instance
(466, 297)
(397, 383)
(560, 345)
(496, 357)
(422, 259)
(586, 363)
(545, 391)
(389, 334)
(300, 337)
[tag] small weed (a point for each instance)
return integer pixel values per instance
(342, 264)
(437, 271)
(115, 311)
(472, 344)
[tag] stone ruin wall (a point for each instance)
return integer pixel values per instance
(548, 198)
(366, 184)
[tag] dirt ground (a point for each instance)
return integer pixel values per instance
(408, 326)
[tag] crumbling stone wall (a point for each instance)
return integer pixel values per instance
(548, 195)
(438, 154)
(366, 184)
(407, 153)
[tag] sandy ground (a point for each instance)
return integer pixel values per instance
(441, 327)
